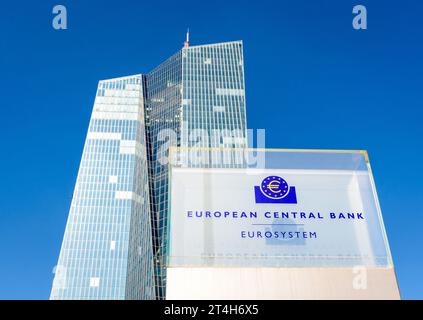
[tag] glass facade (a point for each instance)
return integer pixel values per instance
(107, 247)
(115, 240)
(213, 96)
(163, 113)
(199, 94)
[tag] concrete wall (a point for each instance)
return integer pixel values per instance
(281, 283)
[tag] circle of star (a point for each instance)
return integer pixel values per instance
(274, 187)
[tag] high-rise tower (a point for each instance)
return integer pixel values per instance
(115, 240)
(107, 247)
(198, 94)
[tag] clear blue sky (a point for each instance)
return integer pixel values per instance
(312, 82)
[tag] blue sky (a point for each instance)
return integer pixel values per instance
(312, 82)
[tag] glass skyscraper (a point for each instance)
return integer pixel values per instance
(114, 245)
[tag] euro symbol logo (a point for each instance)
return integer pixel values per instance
(274, 186)
(274, 189)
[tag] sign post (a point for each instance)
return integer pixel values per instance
(289, 224)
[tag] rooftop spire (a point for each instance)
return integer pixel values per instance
(186, 43)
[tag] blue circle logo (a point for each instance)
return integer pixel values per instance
(274, 187)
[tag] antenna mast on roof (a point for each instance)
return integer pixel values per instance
(186, 43)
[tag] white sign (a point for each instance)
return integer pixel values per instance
(250, 217)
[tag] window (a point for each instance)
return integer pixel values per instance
(94, 282)
(112, 245)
